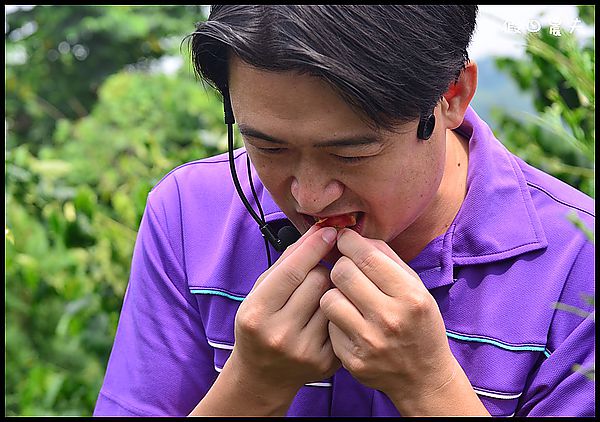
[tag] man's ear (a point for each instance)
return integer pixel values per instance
(459, 96)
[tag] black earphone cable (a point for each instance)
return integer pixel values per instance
(236, 181)
(262, 224)
(260, 210)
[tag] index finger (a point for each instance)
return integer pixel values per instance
(283, 256)
(276, 288)
(391, 275)
(385, 248)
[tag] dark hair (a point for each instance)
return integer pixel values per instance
(392, 63)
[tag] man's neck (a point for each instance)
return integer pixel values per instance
(437, 218)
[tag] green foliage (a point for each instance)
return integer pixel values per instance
(76, 185)
(590, 370)
(55, 72)
(559, 71)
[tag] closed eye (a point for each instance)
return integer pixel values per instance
(350, 159)
(345, 159)
(270, 150)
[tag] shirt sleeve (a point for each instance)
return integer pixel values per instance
(160, 363)
(556, 388)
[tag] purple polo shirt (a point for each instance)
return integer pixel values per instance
(509, 256)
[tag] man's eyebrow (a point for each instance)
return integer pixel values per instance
(342, 142)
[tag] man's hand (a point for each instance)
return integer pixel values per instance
(281, 335)
(385, 326)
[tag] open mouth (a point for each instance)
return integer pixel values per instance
(339, 222)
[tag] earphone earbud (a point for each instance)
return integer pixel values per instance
(426, 126)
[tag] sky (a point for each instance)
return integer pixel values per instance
(491, 37)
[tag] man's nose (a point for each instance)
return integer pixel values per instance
(314, 192)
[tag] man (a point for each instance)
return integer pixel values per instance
(433, 296)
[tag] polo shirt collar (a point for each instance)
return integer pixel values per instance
(496, 221)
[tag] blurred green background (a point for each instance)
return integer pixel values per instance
(97, 111)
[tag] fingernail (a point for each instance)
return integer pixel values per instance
(329, 234)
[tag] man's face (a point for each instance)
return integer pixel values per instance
(318, 158)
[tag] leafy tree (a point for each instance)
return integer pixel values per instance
(76, 186)
(58, 56)
(560, 74)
